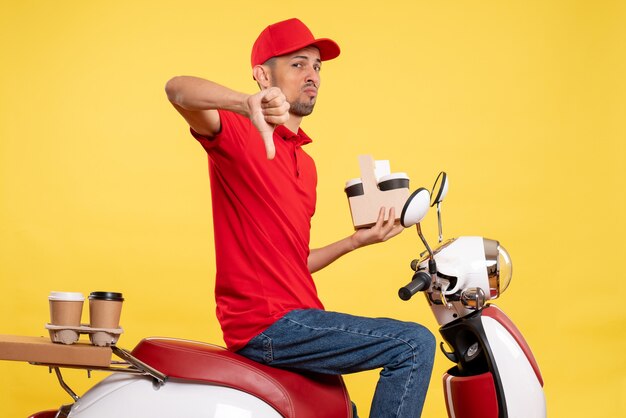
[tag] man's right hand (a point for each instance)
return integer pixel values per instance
(268, 108)
(197, 100)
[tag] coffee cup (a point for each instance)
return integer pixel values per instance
(105, 309)
(354, 187)
(393, 181)
(66, 309)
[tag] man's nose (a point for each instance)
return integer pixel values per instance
(313, 77)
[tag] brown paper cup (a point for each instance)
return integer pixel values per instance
(66, 308)
(105, 309)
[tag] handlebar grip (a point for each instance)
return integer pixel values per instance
(421, 281)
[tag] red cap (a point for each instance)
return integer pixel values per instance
(288, 36)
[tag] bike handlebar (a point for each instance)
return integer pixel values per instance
(421, 281)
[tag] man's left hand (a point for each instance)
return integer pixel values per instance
(380, 232)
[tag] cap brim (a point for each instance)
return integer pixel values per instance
(327, 47)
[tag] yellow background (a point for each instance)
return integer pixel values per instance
(521, 102)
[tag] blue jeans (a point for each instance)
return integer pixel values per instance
(336, 343)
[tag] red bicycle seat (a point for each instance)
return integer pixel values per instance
(291, 394)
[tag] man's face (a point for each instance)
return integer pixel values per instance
(298, 76)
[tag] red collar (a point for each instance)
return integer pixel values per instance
(299, 138)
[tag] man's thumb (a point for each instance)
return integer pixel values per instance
(268, 139)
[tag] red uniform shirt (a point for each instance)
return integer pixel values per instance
(262, 213)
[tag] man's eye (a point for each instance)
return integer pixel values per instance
(296, 65)
(318, 68)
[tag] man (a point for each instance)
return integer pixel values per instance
(263, 196)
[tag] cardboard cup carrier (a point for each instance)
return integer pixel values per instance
(66, 308)
(377, 187)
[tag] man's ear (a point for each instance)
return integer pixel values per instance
(261, 75)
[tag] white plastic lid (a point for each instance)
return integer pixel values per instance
(393, 176)
(66, 296)
(352, 182)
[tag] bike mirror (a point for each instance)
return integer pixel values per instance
(415, 208)
(440, 189)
